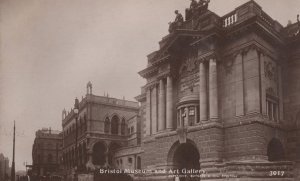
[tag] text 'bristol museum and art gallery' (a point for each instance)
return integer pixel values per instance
(221, 102)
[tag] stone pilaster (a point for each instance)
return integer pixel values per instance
(203, 92)
(169, 102)
(213, 90)
(162, 107)
(154, 109)
(239, 86)
(148, 112)
(280, 93)
(252, 82)
(263, 86)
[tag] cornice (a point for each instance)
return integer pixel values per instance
(148, 72)
(245, 48)
(141, 97)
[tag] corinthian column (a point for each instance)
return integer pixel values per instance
(213, 90)
(161, 107)
(203, 92)
(169, 102)
(148, 112)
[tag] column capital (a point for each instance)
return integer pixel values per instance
(163, 76)
(151, 85)
(208, 56)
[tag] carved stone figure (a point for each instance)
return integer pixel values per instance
(193, 5)
(177, 23)
(179, 18)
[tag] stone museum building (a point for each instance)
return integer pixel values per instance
(46, 153)
(108, 135)
(223, 95)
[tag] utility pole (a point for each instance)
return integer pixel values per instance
(13, 161)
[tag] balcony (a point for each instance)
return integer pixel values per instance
(247, 11)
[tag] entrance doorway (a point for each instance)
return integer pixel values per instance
(185, 157)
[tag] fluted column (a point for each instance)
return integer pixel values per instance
(203, 92)
(154, 109)
(169, 102)
(161, 107)
(148, 112)
(213, 90)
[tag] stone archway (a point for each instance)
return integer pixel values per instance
(111, 152)
(184, 156)
(275, 150)
(99, 151)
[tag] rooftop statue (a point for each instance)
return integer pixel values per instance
(196, 8)
(194, 4)
(177, 23)
(298, 27)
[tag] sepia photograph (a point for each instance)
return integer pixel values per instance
(149, 90)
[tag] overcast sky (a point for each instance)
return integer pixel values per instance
(50, 49)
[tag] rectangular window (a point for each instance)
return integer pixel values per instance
(272, 109)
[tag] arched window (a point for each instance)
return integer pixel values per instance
(106, 125)
(114, 125)
(123, 127)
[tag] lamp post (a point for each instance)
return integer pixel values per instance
(76, 112)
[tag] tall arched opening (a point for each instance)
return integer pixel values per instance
(99, 150)
(111, 152)
(106, 125)
(275, 150)
(184, 156)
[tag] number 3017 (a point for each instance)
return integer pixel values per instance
(276, 173)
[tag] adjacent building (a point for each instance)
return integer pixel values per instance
(4, 168)
(46, 153)
(222, 95)
(108, 134)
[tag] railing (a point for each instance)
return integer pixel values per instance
(267, 19)
(230, 19)
(247, 11)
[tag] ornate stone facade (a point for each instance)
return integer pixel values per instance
(108, 132)
(226, 91)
